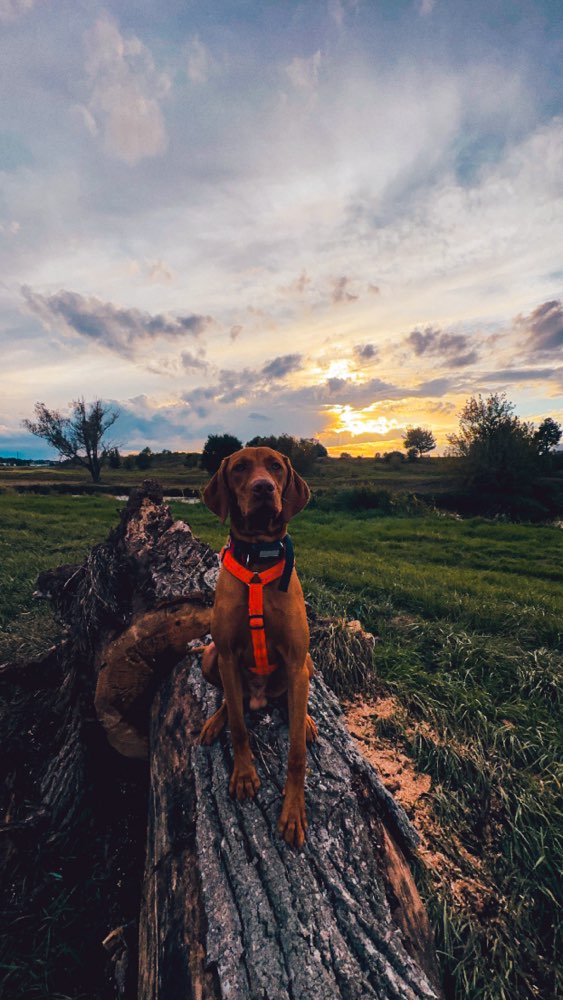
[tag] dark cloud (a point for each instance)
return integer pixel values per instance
(283, 365)
(236, 331)
(373, 289)
(258, 416)
(454, 348)
(365, 352)
(192, 363)
(521, 374)
(544, 327)
(462, 360)
(340, 290)
(120, 330)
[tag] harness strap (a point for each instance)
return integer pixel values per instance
(255, 583)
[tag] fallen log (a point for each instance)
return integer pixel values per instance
(226, 908)
(229, 910)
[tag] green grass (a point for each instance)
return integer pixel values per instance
(469, 617)
(428, 475)
(40, 532)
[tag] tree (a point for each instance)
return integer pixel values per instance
(498, 449)
(78, 437)
(216, 448)
(547, 436)
(319, 449)
(143, 460)
(420, 438)
(302, 452)
(113, 458)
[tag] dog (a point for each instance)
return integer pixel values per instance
(256, 653)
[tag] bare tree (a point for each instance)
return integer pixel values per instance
(78, 436)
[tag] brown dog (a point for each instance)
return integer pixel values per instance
(261, 491)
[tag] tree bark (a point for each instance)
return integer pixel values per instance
(230, 911)
(227, 909)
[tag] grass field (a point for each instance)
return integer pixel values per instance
(469, 616)
(427, 476)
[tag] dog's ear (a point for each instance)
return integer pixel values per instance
(216, 493)
(296, 493)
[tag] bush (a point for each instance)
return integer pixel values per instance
(394, 458)
(368, 498)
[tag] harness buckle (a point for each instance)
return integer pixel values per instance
(260, 623)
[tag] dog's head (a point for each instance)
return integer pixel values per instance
(259, 488)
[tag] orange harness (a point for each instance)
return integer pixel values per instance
(255, 583)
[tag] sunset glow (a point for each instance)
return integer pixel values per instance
(354, 422)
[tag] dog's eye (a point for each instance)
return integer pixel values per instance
(276, 465)
(238, 467)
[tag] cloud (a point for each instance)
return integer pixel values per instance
(340, 292)
(544, 327)
(159, 273)
(236, 331)
(454, 348)
(365, 352)
(426, 7)
(338, 9)
(258, 416)
(296, 287)
(11, 10)
(516, 375)
(118, 329)
(125, 94)
(200, 62)
(282, 366)
(304, 72)
(192, 363)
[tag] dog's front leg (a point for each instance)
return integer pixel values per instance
(244, 780)
(293, 821)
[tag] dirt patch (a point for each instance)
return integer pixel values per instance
(396, 769)
(452, 868)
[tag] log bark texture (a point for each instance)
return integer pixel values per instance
(230, 911)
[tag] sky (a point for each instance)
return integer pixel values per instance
(331, 219)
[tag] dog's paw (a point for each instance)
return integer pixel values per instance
(293, 820)
(244, 781)
(311, 731)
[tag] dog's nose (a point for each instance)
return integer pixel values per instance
(262, 487)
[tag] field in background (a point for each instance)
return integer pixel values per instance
(426, 476)
(468, 614)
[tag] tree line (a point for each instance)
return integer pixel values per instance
(497, 452)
